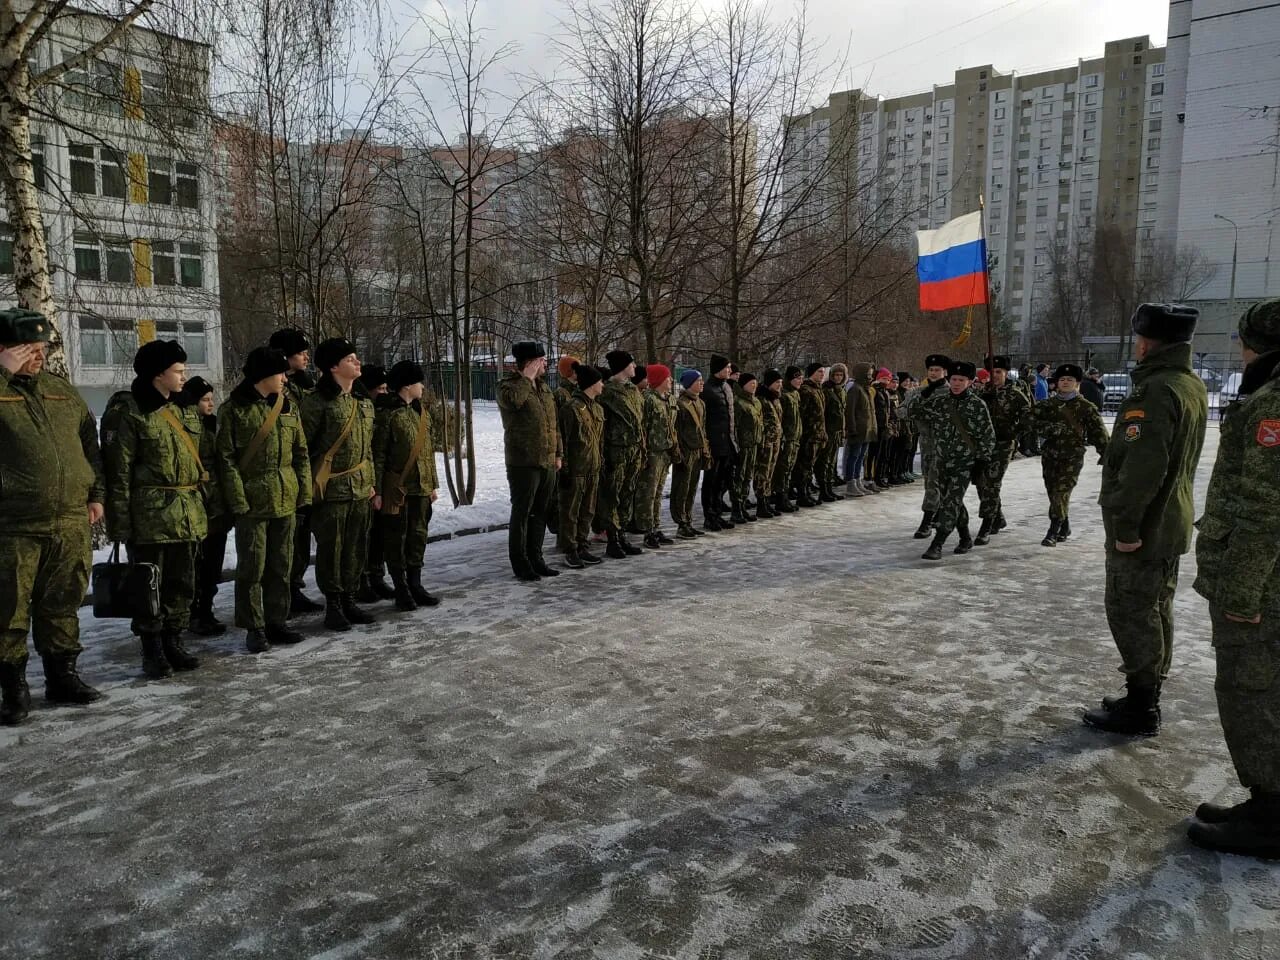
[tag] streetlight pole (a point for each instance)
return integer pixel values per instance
(1235, 248)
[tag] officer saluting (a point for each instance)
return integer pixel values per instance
(52, 492)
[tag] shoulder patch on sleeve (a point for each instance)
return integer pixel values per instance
(1135, 415)
(1269, 433)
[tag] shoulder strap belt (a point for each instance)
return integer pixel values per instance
(191, 445)
(259, 438)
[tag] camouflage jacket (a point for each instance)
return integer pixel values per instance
(959, 426)
(1067, 426)
(325, 413)
(659, 422)
(813, 412)
(771, 418)
(623, 418)
(296, 388)
(529, 434)
(691, 431)
(792, 424)
(582, 429)
(859, 414)
(913, 406)
(833, 399)
(153, 477)
(50, 467)
(1238, 549)
(905, 427)
(395, 433)
(1010, 410)
(277, 481)
(1149, 467)
(748, 418)
(563, 394)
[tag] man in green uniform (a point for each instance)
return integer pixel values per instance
(154, 503)
(296, 348)
(1010, 411)
(660, 442)
(792, 435)
(1238, 572)
(813, 415)
(581, 422)
(693, 453)
(963, 441)
(936, 366)
(636, 509)
(338, 422)
(531, 443)
(770, 443)
(373, 585)
(404, 467)
(1147, 508)
(53, 491)
(266, 477)
(563, 393)
(624, 452)
(196, 401)
(1066, 423)
(833, 412)
(748, 419)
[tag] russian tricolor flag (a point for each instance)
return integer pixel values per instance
(953, 264)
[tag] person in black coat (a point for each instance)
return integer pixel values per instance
(722, 438)
(1091, 388)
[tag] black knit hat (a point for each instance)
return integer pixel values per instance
(618, 360)
(746, 378)
(587, 375)
(717, 364)
(792, 372)
(1260, 327)
(289, 341)
(813, 368)
(154, 358)
(904, 375)
(938, 360)
(372, 376)
(1000, 362)
(1166, 322)
(772, 376)
(641, 374)
(197, 389)
(332, 352)
(1069, 370)
(405, 374)
(263, 362)
(962, 368)
(527, 350)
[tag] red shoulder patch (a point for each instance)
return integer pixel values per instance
(1269, 433)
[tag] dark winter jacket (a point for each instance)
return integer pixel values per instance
(530, 436)
(717, 396)
(277, 481)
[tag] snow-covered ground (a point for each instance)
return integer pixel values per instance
(794, 740)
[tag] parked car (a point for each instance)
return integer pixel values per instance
(1115, 387)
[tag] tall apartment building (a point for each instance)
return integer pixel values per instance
(1055, 155)
(127, 203)
(1221, 193)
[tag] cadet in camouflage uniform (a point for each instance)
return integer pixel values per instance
(338, 422)
(53, 491)
(1147, 508)
(963, 440)
(297, 350)
(531, 444)
(636, 509)
(196, 403)
(660, 441)
(913, 409)
(813, 416)
(693, 453)
(1238, 572)
(624, 452)
(266, 477)
(404, 469)
(770, 443)
(373, 584)
(154, 500)
(1066, 422)
(792, 435)
(562, 394)
(582, 435)
(1010, 413)
(833, 414)
(748, 418)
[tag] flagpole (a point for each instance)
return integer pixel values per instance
(986, 275)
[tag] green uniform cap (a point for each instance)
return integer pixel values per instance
(24, 326)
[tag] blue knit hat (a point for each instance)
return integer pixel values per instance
(689, 378)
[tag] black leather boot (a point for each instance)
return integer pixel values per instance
(1136, 714)
(154, 664)
(404, 599)
(935, 549)
(686, 532)
(614, 550)
(651, 541)
(62, 684)
(586, 556)
(538, 564)
(353, 613)
(15, 695)
(299, 602)
(926, 526)
(1051, 538)
(1253, 831)
(984, 533)
(255, 640)
(365, 594)
(572, 561)
(663, 539)
(335, 617)
(1064, 531)
(1220, 813)
(279, 634)
(737, 516)
(177, 655)
(1001, 522)
(204, 623)
(966, 541)
(631, 549)
(420, 595)
(833, 493)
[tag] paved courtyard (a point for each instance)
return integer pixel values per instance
(793, 740)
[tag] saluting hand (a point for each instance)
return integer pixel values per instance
(14, 358)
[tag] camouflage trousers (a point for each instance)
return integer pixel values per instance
(766, 466)
(787, 454)
(177, 565)
(403, 535)
(301, 546)
(618, 488)
(42, 584)
(806, 464)
(829, 460)
(1060, 477)
(953, 481)
(932, 489)
(684, 487)
(341, 529)
(376, 554)
(742, 479)
(264, 555)
(1139, 605)
(577, 505)
(1248, 690)
(648, 509)
(990, 480)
